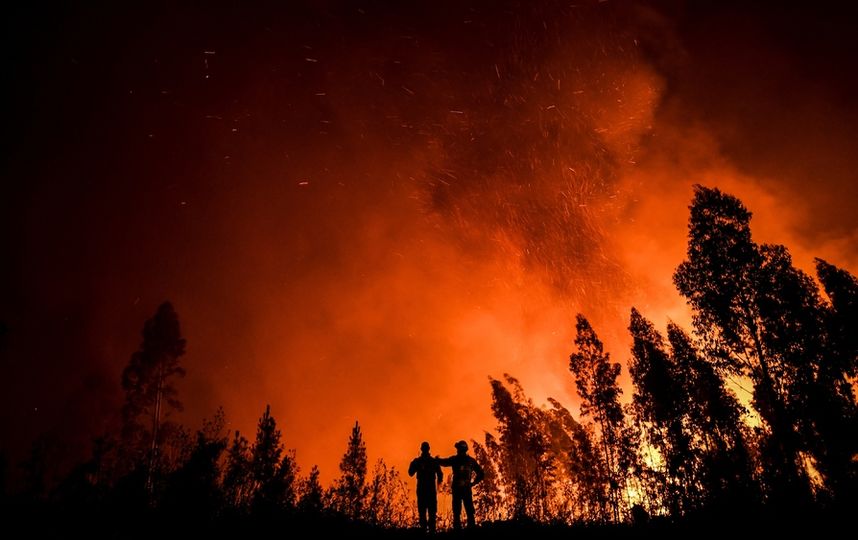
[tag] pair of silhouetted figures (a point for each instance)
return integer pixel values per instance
(466, 474)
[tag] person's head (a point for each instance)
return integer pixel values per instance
(461, 447)
(424, 447)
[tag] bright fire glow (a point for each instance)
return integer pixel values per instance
(364, 217)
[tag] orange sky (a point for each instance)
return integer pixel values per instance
(363, 215)
(402, 329)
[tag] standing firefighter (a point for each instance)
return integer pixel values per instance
(427, 470)
(466, 474)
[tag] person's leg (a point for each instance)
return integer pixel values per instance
(432, 507)
(422, 508)
(457, 510)
(468, 500)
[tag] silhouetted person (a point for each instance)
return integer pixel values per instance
(466, 474)
(427, 470)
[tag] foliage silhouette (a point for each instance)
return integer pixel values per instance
(149, 391)
(348, 495)
(596, 382)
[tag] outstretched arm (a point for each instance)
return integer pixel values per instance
(444, 462)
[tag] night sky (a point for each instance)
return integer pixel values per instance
(360, 210)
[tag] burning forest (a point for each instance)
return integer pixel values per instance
(346, 228)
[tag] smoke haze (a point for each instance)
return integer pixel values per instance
(362, 210)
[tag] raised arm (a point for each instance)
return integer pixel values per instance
(412, 468)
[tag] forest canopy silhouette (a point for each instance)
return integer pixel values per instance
(683, 447)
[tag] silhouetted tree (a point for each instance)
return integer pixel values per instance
(488, 499)
(283, 489)
(737, 314)
(177, 444)
(311, 494)
(149, 391)
(764, 318)
(237, 482)
(841, 287)
(193, 491)
(832, 397)
(525, 465)
(596, 382)
(661, 403)
(819, 393)
(714, 418)
(266, 450)
(273, 471)
(349, 490)
(585, 480)
(388, 504)
(495, 454)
